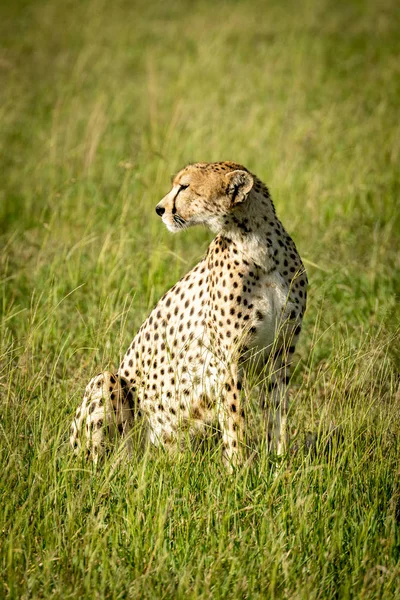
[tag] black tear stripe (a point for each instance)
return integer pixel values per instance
(182, 187)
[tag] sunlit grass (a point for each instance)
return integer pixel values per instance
(100, 104)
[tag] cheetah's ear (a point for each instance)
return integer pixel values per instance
(239, 184)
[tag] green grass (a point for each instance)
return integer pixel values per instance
(100, 103)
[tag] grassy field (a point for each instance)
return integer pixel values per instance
(100, 103)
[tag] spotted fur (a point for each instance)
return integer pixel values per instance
(239, 310)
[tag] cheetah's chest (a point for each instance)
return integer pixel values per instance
(271, 307)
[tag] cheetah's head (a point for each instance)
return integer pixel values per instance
(204, 194)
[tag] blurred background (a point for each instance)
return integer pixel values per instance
(100, 103)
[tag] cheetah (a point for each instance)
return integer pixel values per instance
(238, 311)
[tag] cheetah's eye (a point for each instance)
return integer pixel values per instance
(183, 187)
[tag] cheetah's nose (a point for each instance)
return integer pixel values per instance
(160, 210)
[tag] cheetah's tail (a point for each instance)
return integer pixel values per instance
(107, 406)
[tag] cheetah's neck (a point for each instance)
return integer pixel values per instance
(255, 229)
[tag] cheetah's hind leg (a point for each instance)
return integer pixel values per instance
(106, 413)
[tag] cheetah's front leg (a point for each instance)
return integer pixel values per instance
(277, 416)
(107, 408)
(231, 420)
